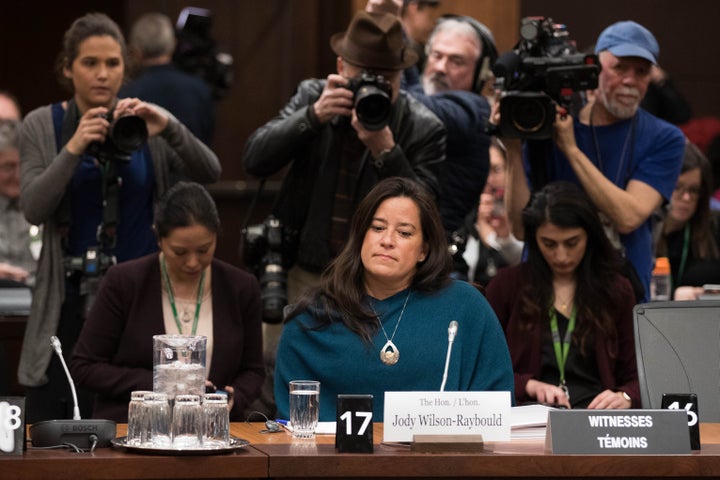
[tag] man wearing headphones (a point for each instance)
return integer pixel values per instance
(460, 54)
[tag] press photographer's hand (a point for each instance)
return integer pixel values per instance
(92, 127)
(335, 99)
(155, 120)
(377, 141)
(564, 131)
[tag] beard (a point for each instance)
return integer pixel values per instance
(434, 83)
(618, 109)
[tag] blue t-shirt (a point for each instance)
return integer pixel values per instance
(651, 151)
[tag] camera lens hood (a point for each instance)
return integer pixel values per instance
(129, 133)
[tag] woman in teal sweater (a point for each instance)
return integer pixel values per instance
(379, 322)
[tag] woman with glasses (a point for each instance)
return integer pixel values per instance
(688, 234)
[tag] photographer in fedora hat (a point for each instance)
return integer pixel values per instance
(338, 147)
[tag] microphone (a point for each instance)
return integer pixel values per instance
(452, 332)
(55, 342)
(76, 432)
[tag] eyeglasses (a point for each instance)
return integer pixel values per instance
(693, 192)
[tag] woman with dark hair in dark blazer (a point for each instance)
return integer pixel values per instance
(567, 310)
(180, 290)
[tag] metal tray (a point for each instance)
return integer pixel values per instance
(235, 444)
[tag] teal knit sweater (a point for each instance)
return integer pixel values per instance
(345, 365)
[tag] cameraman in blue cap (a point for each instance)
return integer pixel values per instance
(626, 159)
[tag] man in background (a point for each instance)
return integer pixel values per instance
(152, 43)
(17, 261)
(626, 159)
(455, 80)
(9, 106)
(335, 157)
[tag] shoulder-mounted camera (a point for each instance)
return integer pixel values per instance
(543, 69)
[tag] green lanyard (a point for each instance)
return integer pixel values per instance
(171, 297)
(562, 348)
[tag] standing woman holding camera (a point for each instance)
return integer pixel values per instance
(95, 202)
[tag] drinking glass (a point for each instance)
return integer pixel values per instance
(156, 409)
(136, 419)
(304, 407)
(187, 422)
(217, 420)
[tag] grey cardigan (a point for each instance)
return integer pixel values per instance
(45, 174)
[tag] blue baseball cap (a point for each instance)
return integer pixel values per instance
(628, 39)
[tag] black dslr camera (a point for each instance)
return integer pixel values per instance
(91, 267)
(544, 68)
(372, 100)
(126, 135)
(265, 253)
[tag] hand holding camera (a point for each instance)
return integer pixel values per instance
(155, 120)
(335, 100)
(92, 127)
(367, 98)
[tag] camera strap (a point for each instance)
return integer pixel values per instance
(106, 235)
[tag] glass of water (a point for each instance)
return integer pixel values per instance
(304, 407)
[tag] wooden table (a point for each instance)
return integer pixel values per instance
(525, 459)
(113, 463)
(279, 456)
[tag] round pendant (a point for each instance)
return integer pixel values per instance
(186, 316)
(389, 354)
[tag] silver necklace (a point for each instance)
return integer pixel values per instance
(389, 353)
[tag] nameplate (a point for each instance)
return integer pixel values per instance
(407, 414)
(607, 432)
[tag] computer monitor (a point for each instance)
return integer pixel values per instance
(678, 351)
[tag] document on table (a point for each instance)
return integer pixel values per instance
(529, 421)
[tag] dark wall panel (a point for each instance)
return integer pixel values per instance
(683, 30)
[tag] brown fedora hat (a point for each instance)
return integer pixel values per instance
(374, 41)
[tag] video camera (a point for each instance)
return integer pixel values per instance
(196, 52)
(543, 69)
(126, 135)
(265, 252)
(372, 100)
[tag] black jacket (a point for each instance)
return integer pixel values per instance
(306, 200)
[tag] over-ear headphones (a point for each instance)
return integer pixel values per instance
(484, 64)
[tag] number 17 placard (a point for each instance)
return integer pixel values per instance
(354, 431)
